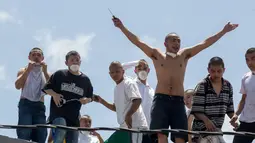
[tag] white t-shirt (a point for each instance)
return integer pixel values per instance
(248, 88)
(87, 138)
(147, 94)
(124, 93)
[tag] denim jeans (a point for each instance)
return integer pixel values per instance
(31, 113)
(59, 134)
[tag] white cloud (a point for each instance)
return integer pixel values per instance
(2, 73)
(55, 49)
(149, 40)
(6, 17)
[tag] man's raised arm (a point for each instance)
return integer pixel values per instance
(190, 52)
(134, 39)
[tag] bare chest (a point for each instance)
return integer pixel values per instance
(177, 64)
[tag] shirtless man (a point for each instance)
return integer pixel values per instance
(168, 108)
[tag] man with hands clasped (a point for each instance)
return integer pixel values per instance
(31, 80)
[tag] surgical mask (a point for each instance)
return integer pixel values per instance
(171, 54)
(143, 75)
(75, 68)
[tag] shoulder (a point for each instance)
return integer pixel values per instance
(246, 75)
(227, 82)
(21, 70)
(129, 82)
(60, 72)
(202, 82)
(85, 77)
(156, 53)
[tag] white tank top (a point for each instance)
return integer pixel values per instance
(32, 89)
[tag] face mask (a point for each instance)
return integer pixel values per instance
(75, 68)
(142, 75)
(171, 54)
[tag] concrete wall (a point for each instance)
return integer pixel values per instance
(5, 139)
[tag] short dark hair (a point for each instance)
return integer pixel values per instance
(144, 61)
(170, 35)
(116, 63)
(72, 53)
(250, 50)
(34, 49)
(216, 61)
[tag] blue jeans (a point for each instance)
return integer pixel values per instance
(59, 134)
(31, 113)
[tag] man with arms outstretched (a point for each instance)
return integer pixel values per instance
(168, 108)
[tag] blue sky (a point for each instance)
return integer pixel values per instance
(86, 26)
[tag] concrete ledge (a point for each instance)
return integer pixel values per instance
(5, 139)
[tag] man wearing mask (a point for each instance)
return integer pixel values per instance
(69, 88)
(142, 70)
(31, 80)
(246, 106)
(147, 93)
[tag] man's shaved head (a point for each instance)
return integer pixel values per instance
(115, 64)
(170, 35)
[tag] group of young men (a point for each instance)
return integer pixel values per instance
(136, 104)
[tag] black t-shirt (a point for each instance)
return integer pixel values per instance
(71, 87)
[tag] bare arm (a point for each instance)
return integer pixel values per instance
(190, 120)
(100, 139)
(241, 105)
(190, 52)
(134, 106)
(108, 105)
(134, 39)
(202, 117)
(129, 65)
(50, 92)
(45, 71)
(47, 75)
(22, 77)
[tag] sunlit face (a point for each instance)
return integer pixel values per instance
(250, 61)
(142, 66)
(188, 98)
(73, 60)
(216, 72)
(85, 122)
(173, 43)
(116, 72)
(36, 56)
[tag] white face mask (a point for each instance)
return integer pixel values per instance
(171, 54)
(75, 68)
(143, 75)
